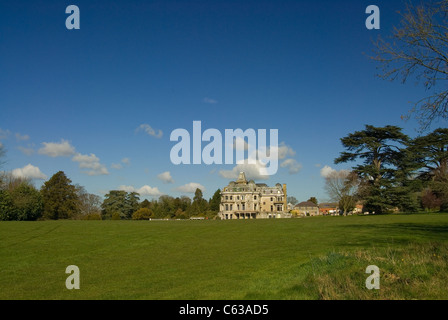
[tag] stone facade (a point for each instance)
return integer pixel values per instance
(307, 208)
(242, 199)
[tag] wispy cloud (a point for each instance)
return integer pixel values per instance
(26, 151)
(20, 137)
(149, 130)
(4, 134)
(210, 101)
(119, 166)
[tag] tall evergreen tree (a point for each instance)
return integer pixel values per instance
(382, 151)
(59, 197)
(215, 201)
(430, 153)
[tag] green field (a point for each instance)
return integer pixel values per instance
(306, 258)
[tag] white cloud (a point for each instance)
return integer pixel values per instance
(166, 177)
(119, 166)
(318, 165)
(91, 163)
(327, 171)
(29, 171)
(26, 151)
(210, 101)
(252, 171)
(190, 187)
(240, 143)
(19, 137)
(55, 149)
(292, 165)
(143, 191)
(152, 132)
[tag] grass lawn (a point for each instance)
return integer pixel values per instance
(306, 258)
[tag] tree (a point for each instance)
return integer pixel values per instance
(7, 209)
(142, 214)
(199, 205)
(429, 200)
(89, 203)
(120, 204)
(145, 204)
(313, 200)
(59, 198)
(381, 149)
(132, 201)
(27, 201)
(215, 201)
(341, 186)
(2, 155)
(419, 46)
(430, 153)
(292, 200)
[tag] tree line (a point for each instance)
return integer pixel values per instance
(58, 199)
(393, 172)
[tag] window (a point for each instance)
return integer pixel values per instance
(227, 207)
(255, 197)
(231, 207)
(231, 197)
(237, 207)
(242, 197)
(255, 206)
(237, 197)
(272, 199)
(272, 208)
(244, 206)
(227, 197)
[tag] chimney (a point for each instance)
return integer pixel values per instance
(285, 202)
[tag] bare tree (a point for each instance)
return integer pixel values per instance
(88, 203)
(341, 187)
(419, 47)
(2, 154)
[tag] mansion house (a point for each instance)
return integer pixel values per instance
(242, 199)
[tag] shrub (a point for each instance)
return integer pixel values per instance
(142, 214)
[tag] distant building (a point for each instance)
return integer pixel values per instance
(307, 208)
(328, 208)
(242, 199)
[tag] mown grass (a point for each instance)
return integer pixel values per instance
(308, 258)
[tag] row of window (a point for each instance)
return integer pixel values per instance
(255, 198)
(228, 207)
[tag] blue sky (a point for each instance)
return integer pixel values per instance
(73, 100)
